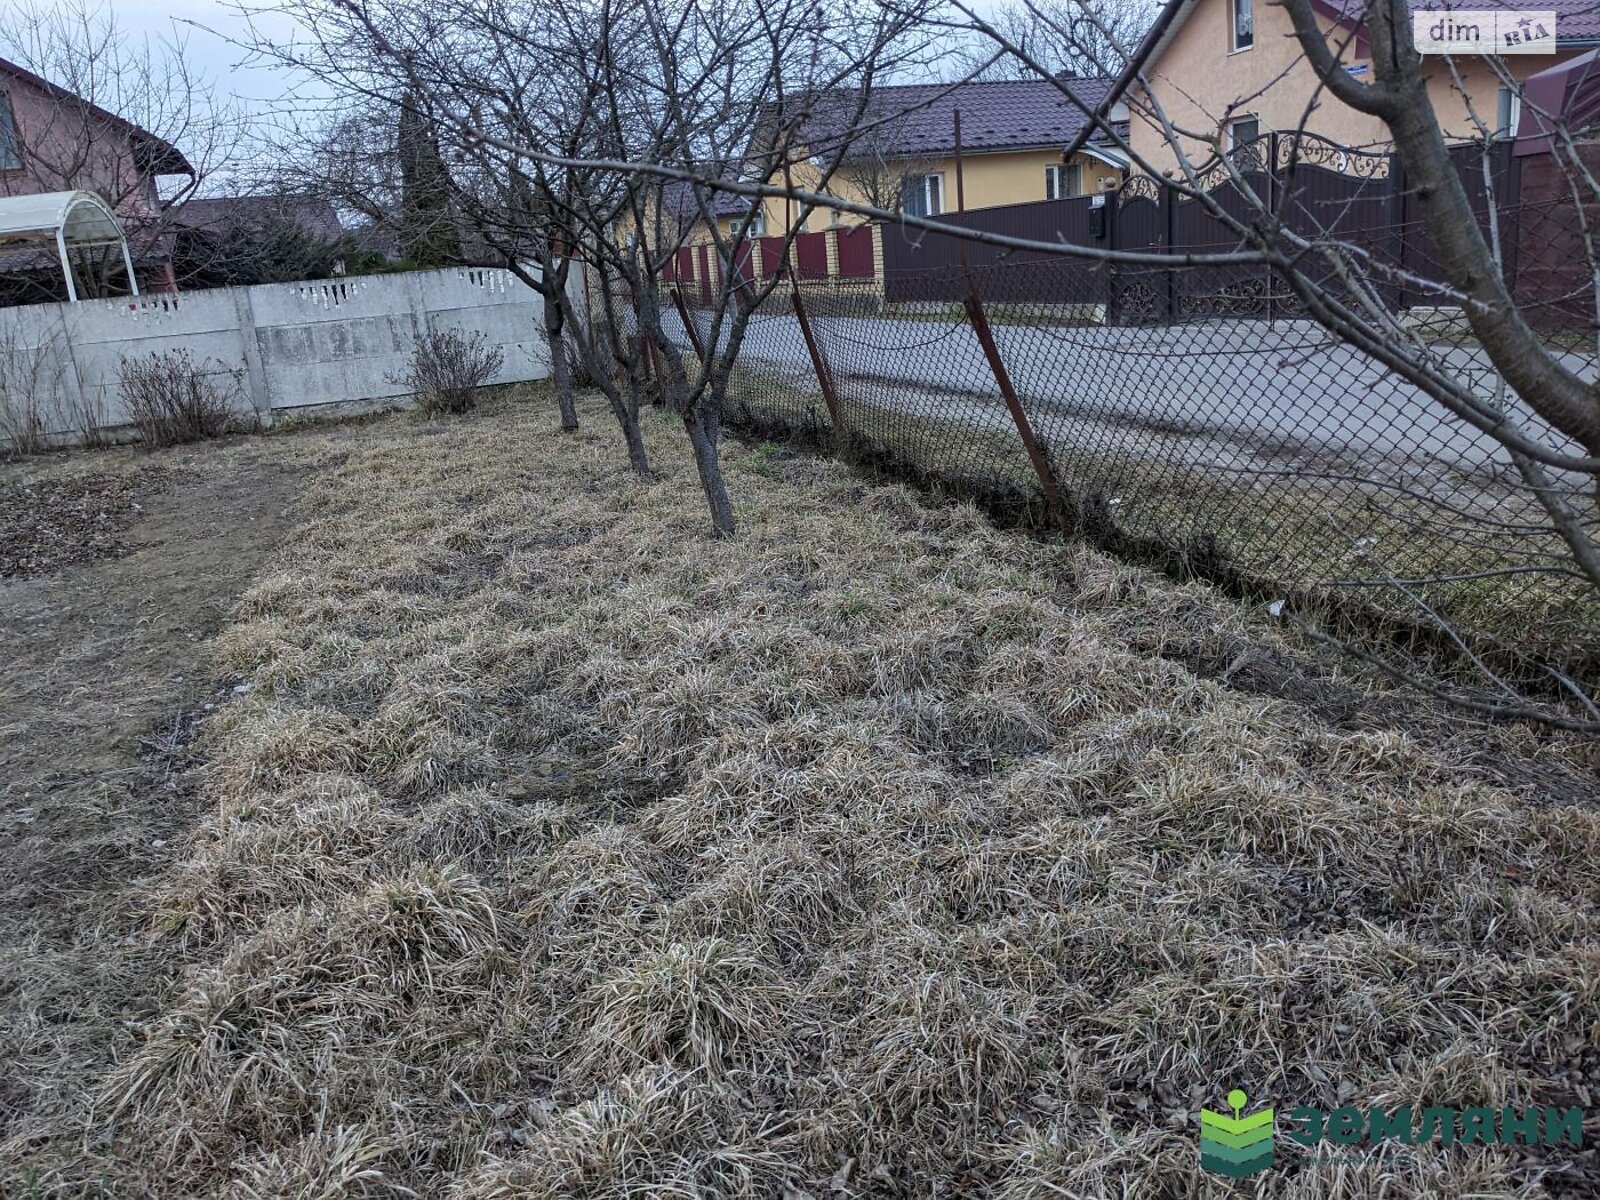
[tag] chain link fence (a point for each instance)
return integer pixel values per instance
(1246, 448)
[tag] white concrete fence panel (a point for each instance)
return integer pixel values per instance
(291, 345)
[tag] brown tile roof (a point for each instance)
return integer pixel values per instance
(312, 215)
(918, 120)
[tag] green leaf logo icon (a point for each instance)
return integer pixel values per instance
(1236, 1145)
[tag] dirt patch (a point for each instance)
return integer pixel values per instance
(132, 561)
(52, 522)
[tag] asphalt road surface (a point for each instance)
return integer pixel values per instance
(1237, 389)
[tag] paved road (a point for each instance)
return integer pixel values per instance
(1233, 388)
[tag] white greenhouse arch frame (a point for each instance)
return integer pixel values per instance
(68, 220)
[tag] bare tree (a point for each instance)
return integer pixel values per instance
(746, 86)
(429, 236)
(345, 151)
(270, 237)
(1398, 96)
(689, 104)
(1535, 401)
(1068, 38)
(874, 171)
(97, 108)
(518, 91)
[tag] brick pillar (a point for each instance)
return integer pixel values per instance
(877, 259)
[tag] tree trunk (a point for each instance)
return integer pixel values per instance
(1561, 397)
(1399, 97)
(560, 368)
(637, 455)
(592, 359)
(703, 440)
(702, 426)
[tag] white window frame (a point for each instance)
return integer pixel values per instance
(1248, 8)
(1233, 130)
(1508, 130)
(8, 117)
(932, 187)
(1063, 181)
(758, 223)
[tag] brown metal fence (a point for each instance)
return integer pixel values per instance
(1322, 191)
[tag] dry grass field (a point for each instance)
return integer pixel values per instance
(557, 849)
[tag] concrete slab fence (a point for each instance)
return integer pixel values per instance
(291, 346)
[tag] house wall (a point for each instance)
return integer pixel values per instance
(289, 346)
(1198, 77)
(989, 179)
(63, 148)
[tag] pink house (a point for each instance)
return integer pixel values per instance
(53, 140)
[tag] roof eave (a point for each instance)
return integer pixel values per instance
(1109, 155)
(950, 150)
(165, 159)
(1161, 31)
(163, 152)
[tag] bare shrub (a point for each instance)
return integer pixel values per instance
(447, 369)
(21, 427)
(24, 382)
(169, 399)
(87, 418)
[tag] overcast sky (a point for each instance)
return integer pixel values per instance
(207, 28)
(261, 87)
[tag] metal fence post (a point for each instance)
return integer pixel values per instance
(1168, 224)
(818, 362)
(1399, 214)
(1276, 191)
(1054, 498)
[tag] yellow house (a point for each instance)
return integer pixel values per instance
(1011, 136)
(1233, 70)
(920, 149)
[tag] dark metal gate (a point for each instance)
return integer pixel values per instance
(1351, 206)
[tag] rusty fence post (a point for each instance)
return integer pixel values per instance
(647, 361)
(819, 363)
(620, 370)
(1041, 464)
(653, 366)
(690, 326)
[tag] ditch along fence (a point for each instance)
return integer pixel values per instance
(1250, 450)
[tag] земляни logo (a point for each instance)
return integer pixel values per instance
(1236, 1146)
